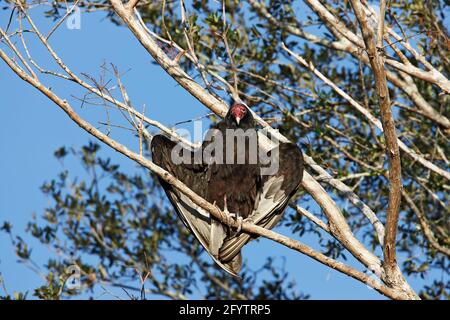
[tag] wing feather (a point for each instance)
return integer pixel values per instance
(194, 217)
(270, 198)
(273, 197)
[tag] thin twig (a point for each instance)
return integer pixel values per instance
(62, 20)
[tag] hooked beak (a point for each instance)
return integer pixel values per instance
(238, 119)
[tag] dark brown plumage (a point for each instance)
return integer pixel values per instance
(246, 193)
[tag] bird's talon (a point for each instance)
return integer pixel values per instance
(225, 207)
(232, 217)
(239, 221)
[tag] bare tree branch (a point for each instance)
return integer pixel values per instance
(392, 149)
(311, 217)
(132, 4)
(425, 225)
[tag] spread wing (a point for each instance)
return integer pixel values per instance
(194, 217)
(273, 197)
(260, 198)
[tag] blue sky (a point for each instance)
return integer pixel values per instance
(32, 128)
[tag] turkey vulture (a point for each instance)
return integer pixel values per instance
(239, 189)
